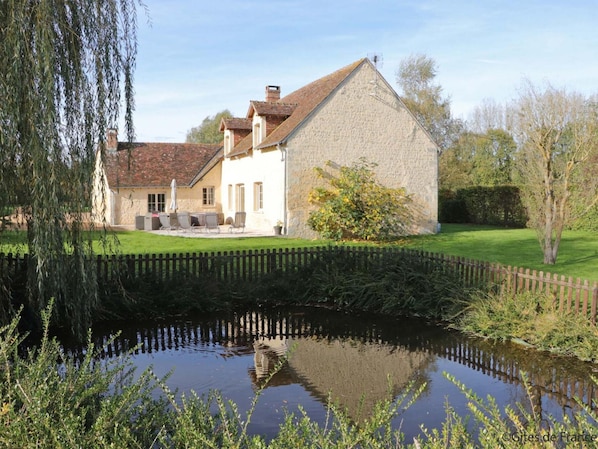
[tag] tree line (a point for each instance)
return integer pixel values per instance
(545, 143)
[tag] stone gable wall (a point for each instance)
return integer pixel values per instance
(363, 118)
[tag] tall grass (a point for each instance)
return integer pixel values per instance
(532, 319)
(393, 284)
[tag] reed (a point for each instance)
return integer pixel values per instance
(530, 318)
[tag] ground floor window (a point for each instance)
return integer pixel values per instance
(230, 197)
(240, 198)
(156, 202)
(208, 196)
(258, 196)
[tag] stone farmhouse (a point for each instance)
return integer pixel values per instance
(134, 179)
(265, 165)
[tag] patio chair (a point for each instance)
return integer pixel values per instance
(165, 223)
(198, 219)
(212, 222)
(185, 221)
(239, 222)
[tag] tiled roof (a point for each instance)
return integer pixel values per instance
(156, 164)
(271, 108)
(235, 123)
(306, 99)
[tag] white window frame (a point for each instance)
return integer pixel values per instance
(227, 142)
(208, 196)
(156, 202)
(258, 196)
(240, 197)
(257, 135)
(230, 197)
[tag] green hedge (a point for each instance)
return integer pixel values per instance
(498, 205)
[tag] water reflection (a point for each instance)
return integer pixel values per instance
(355, 359)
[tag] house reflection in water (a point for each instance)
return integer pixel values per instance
(352, 373)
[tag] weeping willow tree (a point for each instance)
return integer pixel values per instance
(66, 72)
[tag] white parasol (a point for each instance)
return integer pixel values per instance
(173, 205)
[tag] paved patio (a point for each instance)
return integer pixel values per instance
(224, 233)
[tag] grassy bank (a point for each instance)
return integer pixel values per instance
(50, 399)
(530, 319)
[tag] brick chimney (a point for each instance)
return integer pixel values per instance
(272, 93)
(111, 139)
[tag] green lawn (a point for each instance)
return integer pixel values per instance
(136, 242)
(578, 254)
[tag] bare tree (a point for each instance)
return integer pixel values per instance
(558, 134)
(486, 116)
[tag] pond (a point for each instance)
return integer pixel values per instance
(349, 358)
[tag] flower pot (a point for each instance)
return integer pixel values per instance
(277, 230)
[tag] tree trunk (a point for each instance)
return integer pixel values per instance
(549, 258)
(550, 246)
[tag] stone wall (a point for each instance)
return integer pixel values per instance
(124, 204)
(363, 118)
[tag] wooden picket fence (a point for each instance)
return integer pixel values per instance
(570, 294)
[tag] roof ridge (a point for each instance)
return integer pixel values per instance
(306, 99)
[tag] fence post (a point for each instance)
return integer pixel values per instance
(512, 279)
(594, 301)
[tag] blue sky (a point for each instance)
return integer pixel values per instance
(198, 57)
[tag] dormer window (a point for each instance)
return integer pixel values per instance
(235, 130)
(257, 134)
(227, 142)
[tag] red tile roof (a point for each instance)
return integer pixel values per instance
(235, 123)
(156, 164)
(270, 108)
(306, 99)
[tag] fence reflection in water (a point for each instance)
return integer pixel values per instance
(268, 335)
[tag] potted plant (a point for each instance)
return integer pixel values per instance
(278, 227)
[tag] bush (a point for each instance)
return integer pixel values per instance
(356, 206)
(587, 221)
(532, 318)
(499, 205)
(451, 209)
(50, 399)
